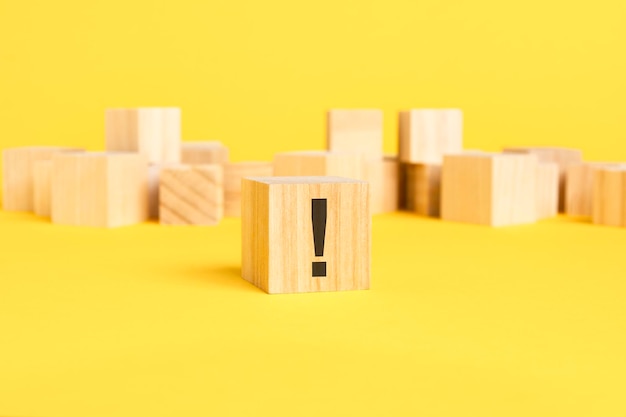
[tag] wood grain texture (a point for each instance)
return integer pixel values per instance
(356, 130)
(154, 132)
(609, 196)
(107, 189)
(42, 187)
(204, 152)
(489, 189)
(191, 195)
(319, 163)
(18, 174)
(547, 190)
(234, 172)
(426, 135)
(383, 176)
(579, 187)
(277, 234)
(422, 188)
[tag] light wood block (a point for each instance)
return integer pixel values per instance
(356, 130)
(426, 135)
(99, 189)
(152, 131)
(383, 176)
(204, 152)
(422, 188)
(547, 190)
(191, 195)
(319, 163)
(563, 157)
(609, 196)
(280, 254)
(489, 189)
(42, 187)
(579, 187)
(234, 172)
(18, 174)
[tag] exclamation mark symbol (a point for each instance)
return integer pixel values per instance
(319, 214)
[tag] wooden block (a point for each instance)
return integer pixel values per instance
(18, 174)
(316, 163)
(579, 187)
(204, 152)
(152, 131)
(563, 157)
(233, 174)
(422, 188)
(100, 189)
(191, 194)
(426, 135)
(609, 196)
(42, 187)
(383, 177)
(305, 234)
(489, 189)
(356, 130)
(547, 190)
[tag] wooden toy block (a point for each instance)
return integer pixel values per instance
(152, 131)
(563, 157)
(609, 196)
(579, 188)
(18, 174)
(356, 130)
(319, 163)
(422, 190)
(383, 177)
(233, 174)
(204, 152)
(426, 135)
(191, 194)
(489, 189)
(99, 189)
(547, 190)
(306, 234)
(42, 187)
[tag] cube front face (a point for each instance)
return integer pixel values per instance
(319, 163)
(279, 240)
(426, 135)
(356, 130)
(609, 196)
(423, 188)
(233, 174)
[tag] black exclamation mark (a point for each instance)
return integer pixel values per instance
(318, 214)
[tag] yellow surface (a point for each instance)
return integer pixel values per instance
(460, 321)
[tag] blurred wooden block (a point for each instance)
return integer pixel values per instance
(319, 163)
(100, 189)
(18, 174)
(304, 234)
(152, 131)
(579, 187)
(356, 130)
(42, 187)
(547, 190)
(383, 177)
(489, 189)
(422, 188)
(204, 152)
(191, 195)
(233, 174)
(426, 135)
(609, 196)
(563, 157)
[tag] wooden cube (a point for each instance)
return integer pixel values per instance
(579, 187)
(152, 131)
(356, 130)
(609, 196)
(100, 189)
(204, 152)
(547, 190)
(191, 195)
(233, 174)
(383, 177)
(563, 157)
(18, 174)
(426, 135)
(489, 189)
(42, 187)
(304, 234)
(422, 188)
(319, 163)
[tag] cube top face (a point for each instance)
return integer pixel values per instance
(356, 130)
(562, 156)
(306, 234)
(427, 134)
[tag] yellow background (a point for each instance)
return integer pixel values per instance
(461, 320)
